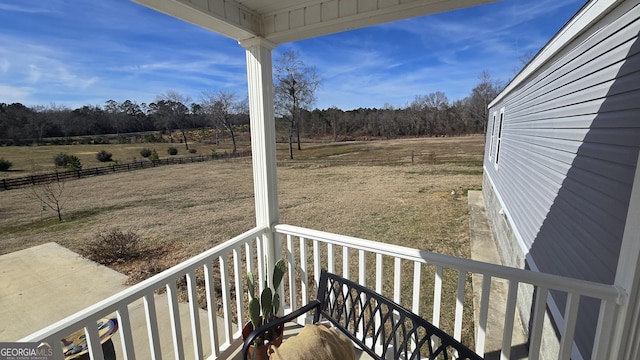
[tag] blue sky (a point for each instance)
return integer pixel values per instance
(85, 52)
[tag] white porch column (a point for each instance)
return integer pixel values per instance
(263, 138)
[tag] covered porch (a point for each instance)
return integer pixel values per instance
(408, 276)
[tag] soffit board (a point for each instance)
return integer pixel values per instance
(282, 21)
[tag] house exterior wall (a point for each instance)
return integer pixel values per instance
(561, 151)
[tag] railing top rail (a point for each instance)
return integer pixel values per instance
(550, 281)
(135, 292)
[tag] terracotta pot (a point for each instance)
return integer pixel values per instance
(262, 349)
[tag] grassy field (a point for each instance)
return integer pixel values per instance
(408, 192)
(27, 160)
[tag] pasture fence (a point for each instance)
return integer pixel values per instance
(16, 183)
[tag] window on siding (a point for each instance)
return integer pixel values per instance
(499, 140)
(493, 133)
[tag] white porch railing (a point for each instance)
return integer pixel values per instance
(232, 257)
(414, 278)
(408, 276)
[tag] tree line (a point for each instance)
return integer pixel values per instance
(432, 114)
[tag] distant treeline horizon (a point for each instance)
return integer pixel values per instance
(428, 115)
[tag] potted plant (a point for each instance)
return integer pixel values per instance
(263, 310)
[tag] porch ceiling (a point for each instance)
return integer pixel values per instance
(281, 21)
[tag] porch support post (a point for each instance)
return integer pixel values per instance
(263, 140)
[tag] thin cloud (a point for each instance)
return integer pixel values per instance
(76, 52)
(23, 9)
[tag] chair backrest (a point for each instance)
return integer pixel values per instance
(381, 327)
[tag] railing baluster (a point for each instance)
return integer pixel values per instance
(174, 314)
(293, 288)
(483, 316)
(569, 328)
(605, 331)
(261, 262)
(248, 258)
(437, 296)
(126, 337)
(379, 272)
(93, 341)
(362, 268)
(537, 324)
(362, 279)
(417, 281)
(239, 284)
(397, 279)
(304, 271)
(330, 261)
(152, 326)
(211, 309)
(226, 299)
(457, 329)
(509, 319)
(316, 263)
(194, 307)
(345, 262)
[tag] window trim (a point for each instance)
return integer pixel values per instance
(493, 133)
(499, 137)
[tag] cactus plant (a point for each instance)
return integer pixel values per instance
(264, 309)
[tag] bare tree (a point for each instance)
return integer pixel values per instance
(479, 100)
(172, 108)
(53, 195)
(333, 114)
(295, 88)
(222, 108)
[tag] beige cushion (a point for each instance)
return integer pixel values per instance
(315, 342)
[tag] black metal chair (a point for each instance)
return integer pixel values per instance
(377, 325)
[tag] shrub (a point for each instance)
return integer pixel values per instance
(172, 151)
(152, 138)
(60, 160)
(103, 156)
(192, 151)
(5, 165)
(154, 156)
(100, 140)
(113, 246)
(145, 152)
(73, 163)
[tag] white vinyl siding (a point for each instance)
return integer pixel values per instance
(567, 152)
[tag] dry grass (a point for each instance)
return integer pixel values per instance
(27, 160)
(364, 189)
